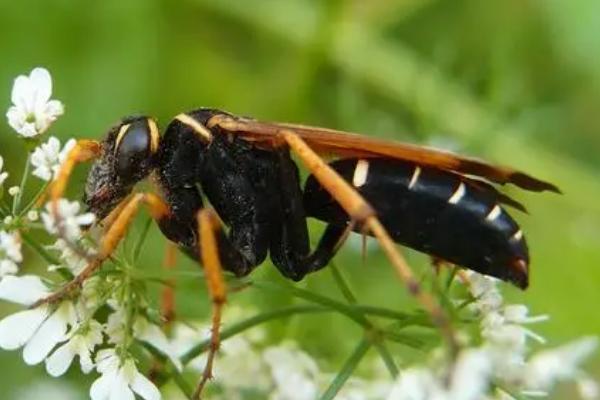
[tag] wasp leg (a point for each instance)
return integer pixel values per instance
(361, 211)
(290, 245)
(111, 238)
(83, 151)
(208, 224)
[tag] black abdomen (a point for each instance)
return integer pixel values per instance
(437, 212)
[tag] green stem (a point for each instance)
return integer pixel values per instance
(138, 246)
(346, 371)
(34, 199)
(342, 308)
(250, 323)
(17, 199)
(382, 349)
(39, 249)
(342, 284)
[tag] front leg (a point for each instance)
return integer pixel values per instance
(111, 239)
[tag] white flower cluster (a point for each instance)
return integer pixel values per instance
(48, 157)
(57, 334)
(247, 365)
(60, 332)
(501, 365)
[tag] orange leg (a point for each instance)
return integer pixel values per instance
(84, 150)
(208, 223)
(110, 240)
(361, 211)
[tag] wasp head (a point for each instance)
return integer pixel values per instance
(128, 154)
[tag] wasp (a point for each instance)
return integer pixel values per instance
(433, 201)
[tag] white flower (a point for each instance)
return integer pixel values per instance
(72, 260)
(24, 290)
(33, 215)
(588, 388)
(3, 175)
(69, 219)
(295, 374)
(82, 344)
(145, 331)
(550, 366)
(32, 111)
(505, 327)
(10, 253)
(415, 384)
(48, 157)
(14, 190)
(120, 379)
(115, 325)
(38, 330)
(469, 380)
(486, 292)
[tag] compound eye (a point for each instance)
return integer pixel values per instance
(135, 144)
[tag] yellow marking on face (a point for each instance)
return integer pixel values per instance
(200, 129)
(120, 135)
(458, 194)
(361, 171)
(415, 177)
(154, 135)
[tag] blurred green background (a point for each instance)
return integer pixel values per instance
(514, 81)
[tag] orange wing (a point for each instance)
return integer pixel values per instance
(344, 144)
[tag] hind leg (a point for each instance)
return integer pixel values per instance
(361, 211)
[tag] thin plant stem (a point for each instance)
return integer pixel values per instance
(342, 308)
(342, 284)
(250, 323)
(17, 199)
(380, 346)
(34, 199)
(140, 242)
(39, 249)
(347, 369)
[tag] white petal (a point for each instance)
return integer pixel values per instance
(120, 389)
(17, 329)
(8, 267)
(42, 84)
(28, 130)
(24, 290)
(59, 362)
(43, 173)
(22, 93)
(85, 219)
(107, 360)
(100, 389)
(154, 336)
(51, 332)
(54, 109)
(3, 177)
(145, 388)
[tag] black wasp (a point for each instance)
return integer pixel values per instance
(433, 201)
